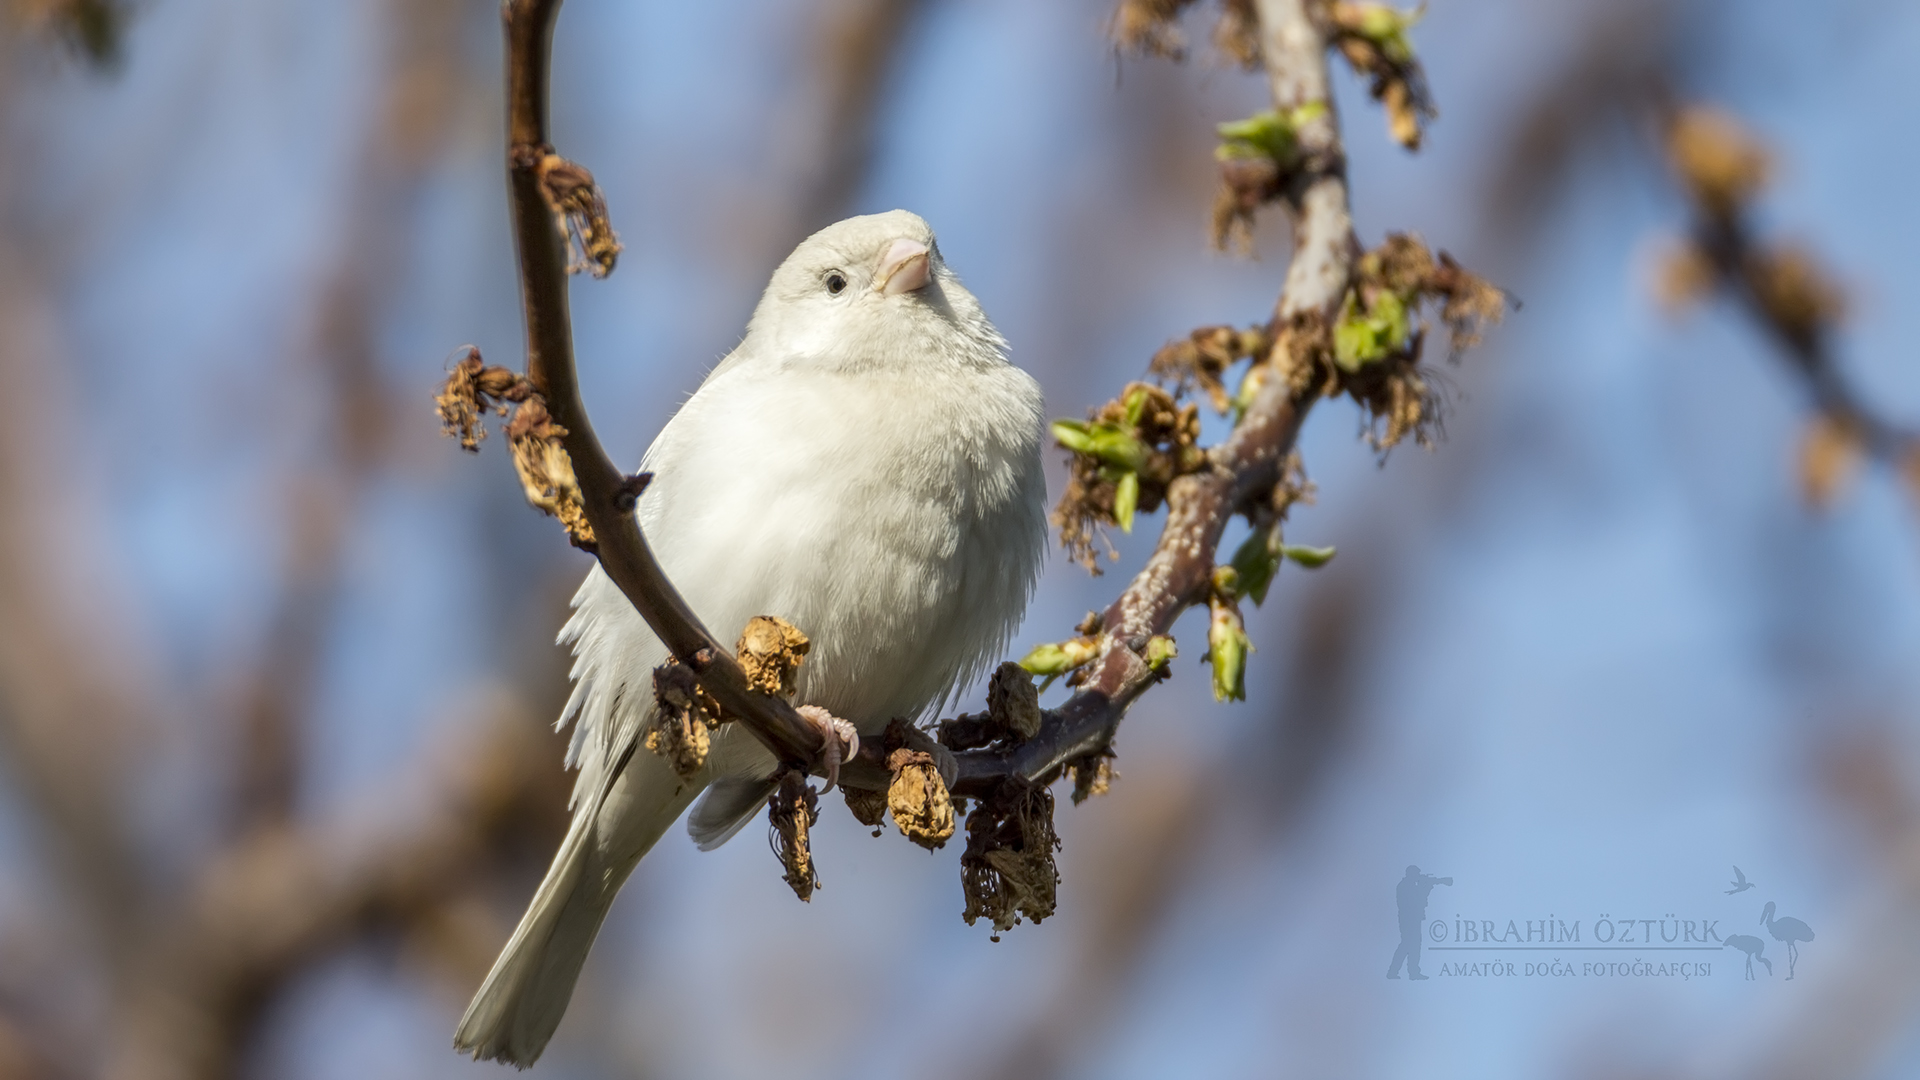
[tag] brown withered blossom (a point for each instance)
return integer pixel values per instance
(1091, 775)
(792, 811)
(1372, 38)
(1201, 359)
(1373, 352)
(1146, 28)
(771, 651)
(684, 719)
(579, 211)
(1013, 713)
(918, 798)
(1008, 870)
(1246, 184)
(546, 472)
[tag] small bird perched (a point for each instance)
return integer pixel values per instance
(866, 465)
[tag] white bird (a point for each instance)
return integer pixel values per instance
(866, 465)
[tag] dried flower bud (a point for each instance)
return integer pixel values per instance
(684, 719)
(1373, 38)
(1008, 870)
(771, 650)
(869, 808)
(1092, 775)
(546, 472)
(792, 810)
(1722, 165)
(579, 211)
(1684, 276)
(1146, 28)
(1830, 453)
(918, 799)
(1012, 701)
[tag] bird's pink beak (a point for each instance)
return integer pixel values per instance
(905, 267)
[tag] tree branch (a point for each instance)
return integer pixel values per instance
(605, 494)
(1200, 505)
(1723, 169)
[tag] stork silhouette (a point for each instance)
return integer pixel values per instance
(1753, 947)
(1740, 882)
(1790, 931)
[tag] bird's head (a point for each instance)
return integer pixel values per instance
(871, 293)
(1767, 913)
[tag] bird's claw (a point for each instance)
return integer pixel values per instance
(841, 741)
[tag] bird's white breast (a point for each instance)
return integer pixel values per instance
(898, 521)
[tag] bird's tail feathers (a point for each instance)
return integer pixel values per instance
(521, 1002)
(524, 996)
(725, 808)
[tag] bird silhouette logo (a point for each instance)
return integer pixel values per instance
(1753, 947)
(1740, 884)
(1791, 931)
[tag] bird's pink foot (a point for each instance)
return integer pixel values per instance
(842, 741)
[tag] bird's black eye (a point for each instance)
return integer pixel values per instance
(836, 281)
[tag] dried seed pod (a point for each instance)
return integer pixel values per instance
(771, 650)
(546, 472)
(1008, 870)
(1012, 701)
(684, 721)
(579, 211)
(792, 810)
(918, 798)
(1092, 775)
(869, 808)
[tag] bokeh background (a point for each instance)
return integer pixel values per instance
(275, 665)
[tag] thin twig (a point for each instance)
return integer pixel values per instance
(621, 547)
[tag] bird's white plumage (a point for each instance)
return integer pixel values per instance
(865, 465)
